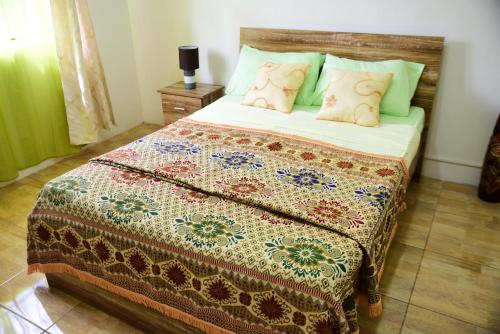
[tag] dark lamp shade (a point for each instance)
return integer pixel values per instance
(188, 57)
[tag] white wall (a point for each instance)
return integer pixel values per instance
(114, 39)
(158, 27)
(468, 99)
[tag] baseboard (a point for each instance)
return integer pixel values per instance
(451, 171)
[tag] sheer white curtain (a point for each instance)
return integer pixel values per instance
(88, 105)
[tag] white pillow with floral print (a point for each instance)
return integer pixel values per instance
(354, 97)
(276, 86)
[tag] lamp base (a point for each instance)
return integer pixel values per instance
(189, 80)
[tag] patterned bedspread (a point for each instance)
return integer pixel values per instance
(225, 228)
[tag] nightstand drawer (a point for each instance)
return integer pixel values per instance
(178, 110)
(180, 104)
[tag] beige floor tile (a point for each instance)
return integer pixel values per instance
(17, 199)
(430, 183)
(462, 200)
(33, 181)
(86, 319)
(414, 224)
(400, 271)
(459, 289)
(11, 263)
(12, 255)
(21, 223)
(16, 226)
(11, 323)
(10, 267)
(12, 228)
(30, 297)
(426, 191)
(74, 163)
(472, 239)
(390, 322)
(422, 321)
(458, 187)
(47, 174)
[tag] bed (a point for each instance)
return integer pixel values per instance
(240, 219)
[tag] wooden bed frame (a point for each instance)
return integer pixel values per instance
(372, 47)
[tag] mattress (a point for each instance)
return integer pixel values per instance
(235, 219)
(396, 136)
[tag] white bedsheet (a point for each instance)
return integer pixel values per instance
(396, 136)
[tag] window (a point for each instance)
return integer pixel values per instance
(24, 22)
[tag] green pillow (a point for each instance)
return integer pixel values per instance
(251, 59)
(396, 100)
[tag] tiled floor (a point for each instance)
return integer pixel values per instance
(442, 273)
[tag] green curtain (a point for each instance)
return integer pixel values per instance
(33, 124)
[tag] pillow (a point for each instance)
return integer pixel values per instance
(251, 59)
(354, 97)
(400, 92)
(276, 86)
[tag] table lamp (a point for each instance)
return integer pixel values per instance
(188, 61)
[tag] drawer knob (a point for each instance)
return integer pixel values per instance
(179, 108)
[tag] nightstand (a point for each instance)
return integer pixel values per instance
(178, 102)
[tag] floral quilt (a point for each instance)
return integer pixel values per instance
(247, 231)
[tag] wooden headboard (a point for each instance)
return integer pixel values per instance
(373, 47)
